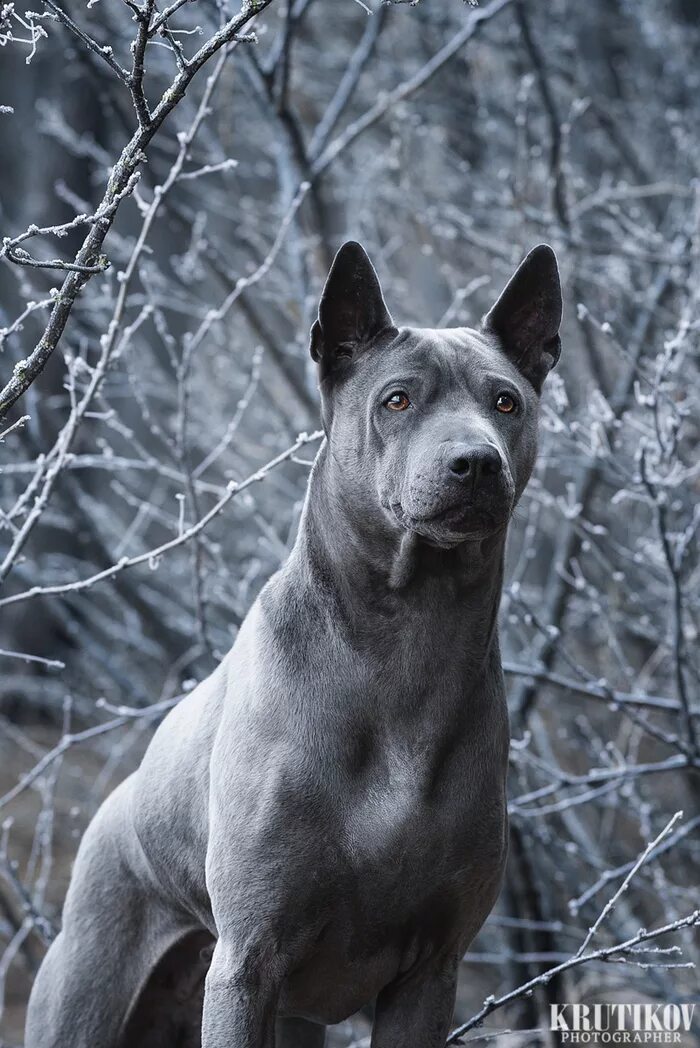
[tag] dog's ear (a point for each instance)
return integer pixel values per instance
(527, 316)
(352, 311)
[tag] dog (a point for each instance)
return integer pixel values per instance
(321, 824)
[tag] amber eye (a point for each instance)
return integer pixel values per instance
(505, 404)
(397, 401)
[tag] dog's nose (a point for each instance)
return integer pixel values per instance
(475, 462)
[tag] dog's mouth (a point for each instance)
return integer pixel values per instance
(454, 523)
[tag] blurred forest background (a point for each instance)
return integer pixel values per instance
(152, 472)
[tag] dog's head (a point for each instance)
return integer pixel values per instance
(434, 431)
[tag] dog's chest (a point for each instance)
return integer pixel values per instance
(408, 876)
(385, 810)
(381, 807)
(412, 824)
(417, 840)
(416, 807)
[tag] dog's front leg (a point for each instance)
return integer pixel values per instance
(240, 999)
(416, 1011)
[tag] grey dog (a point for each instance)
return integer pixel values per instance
(327, 811)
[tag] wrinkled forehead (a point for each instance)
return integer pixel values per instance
(453, 358)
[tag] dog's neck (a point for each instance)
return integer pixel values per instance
(379, 577)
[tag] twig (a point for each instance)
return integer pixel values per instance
(131, 158)
(491, 1004)
(472, 24)
(53, 664)
(105, 53)
(152, 556)
(625, 884)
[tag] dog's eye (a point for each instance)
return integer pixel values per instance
(506, 404)
(397, 401)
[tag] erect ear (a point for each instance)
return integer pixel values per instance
(527, 316)
(352, 310)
